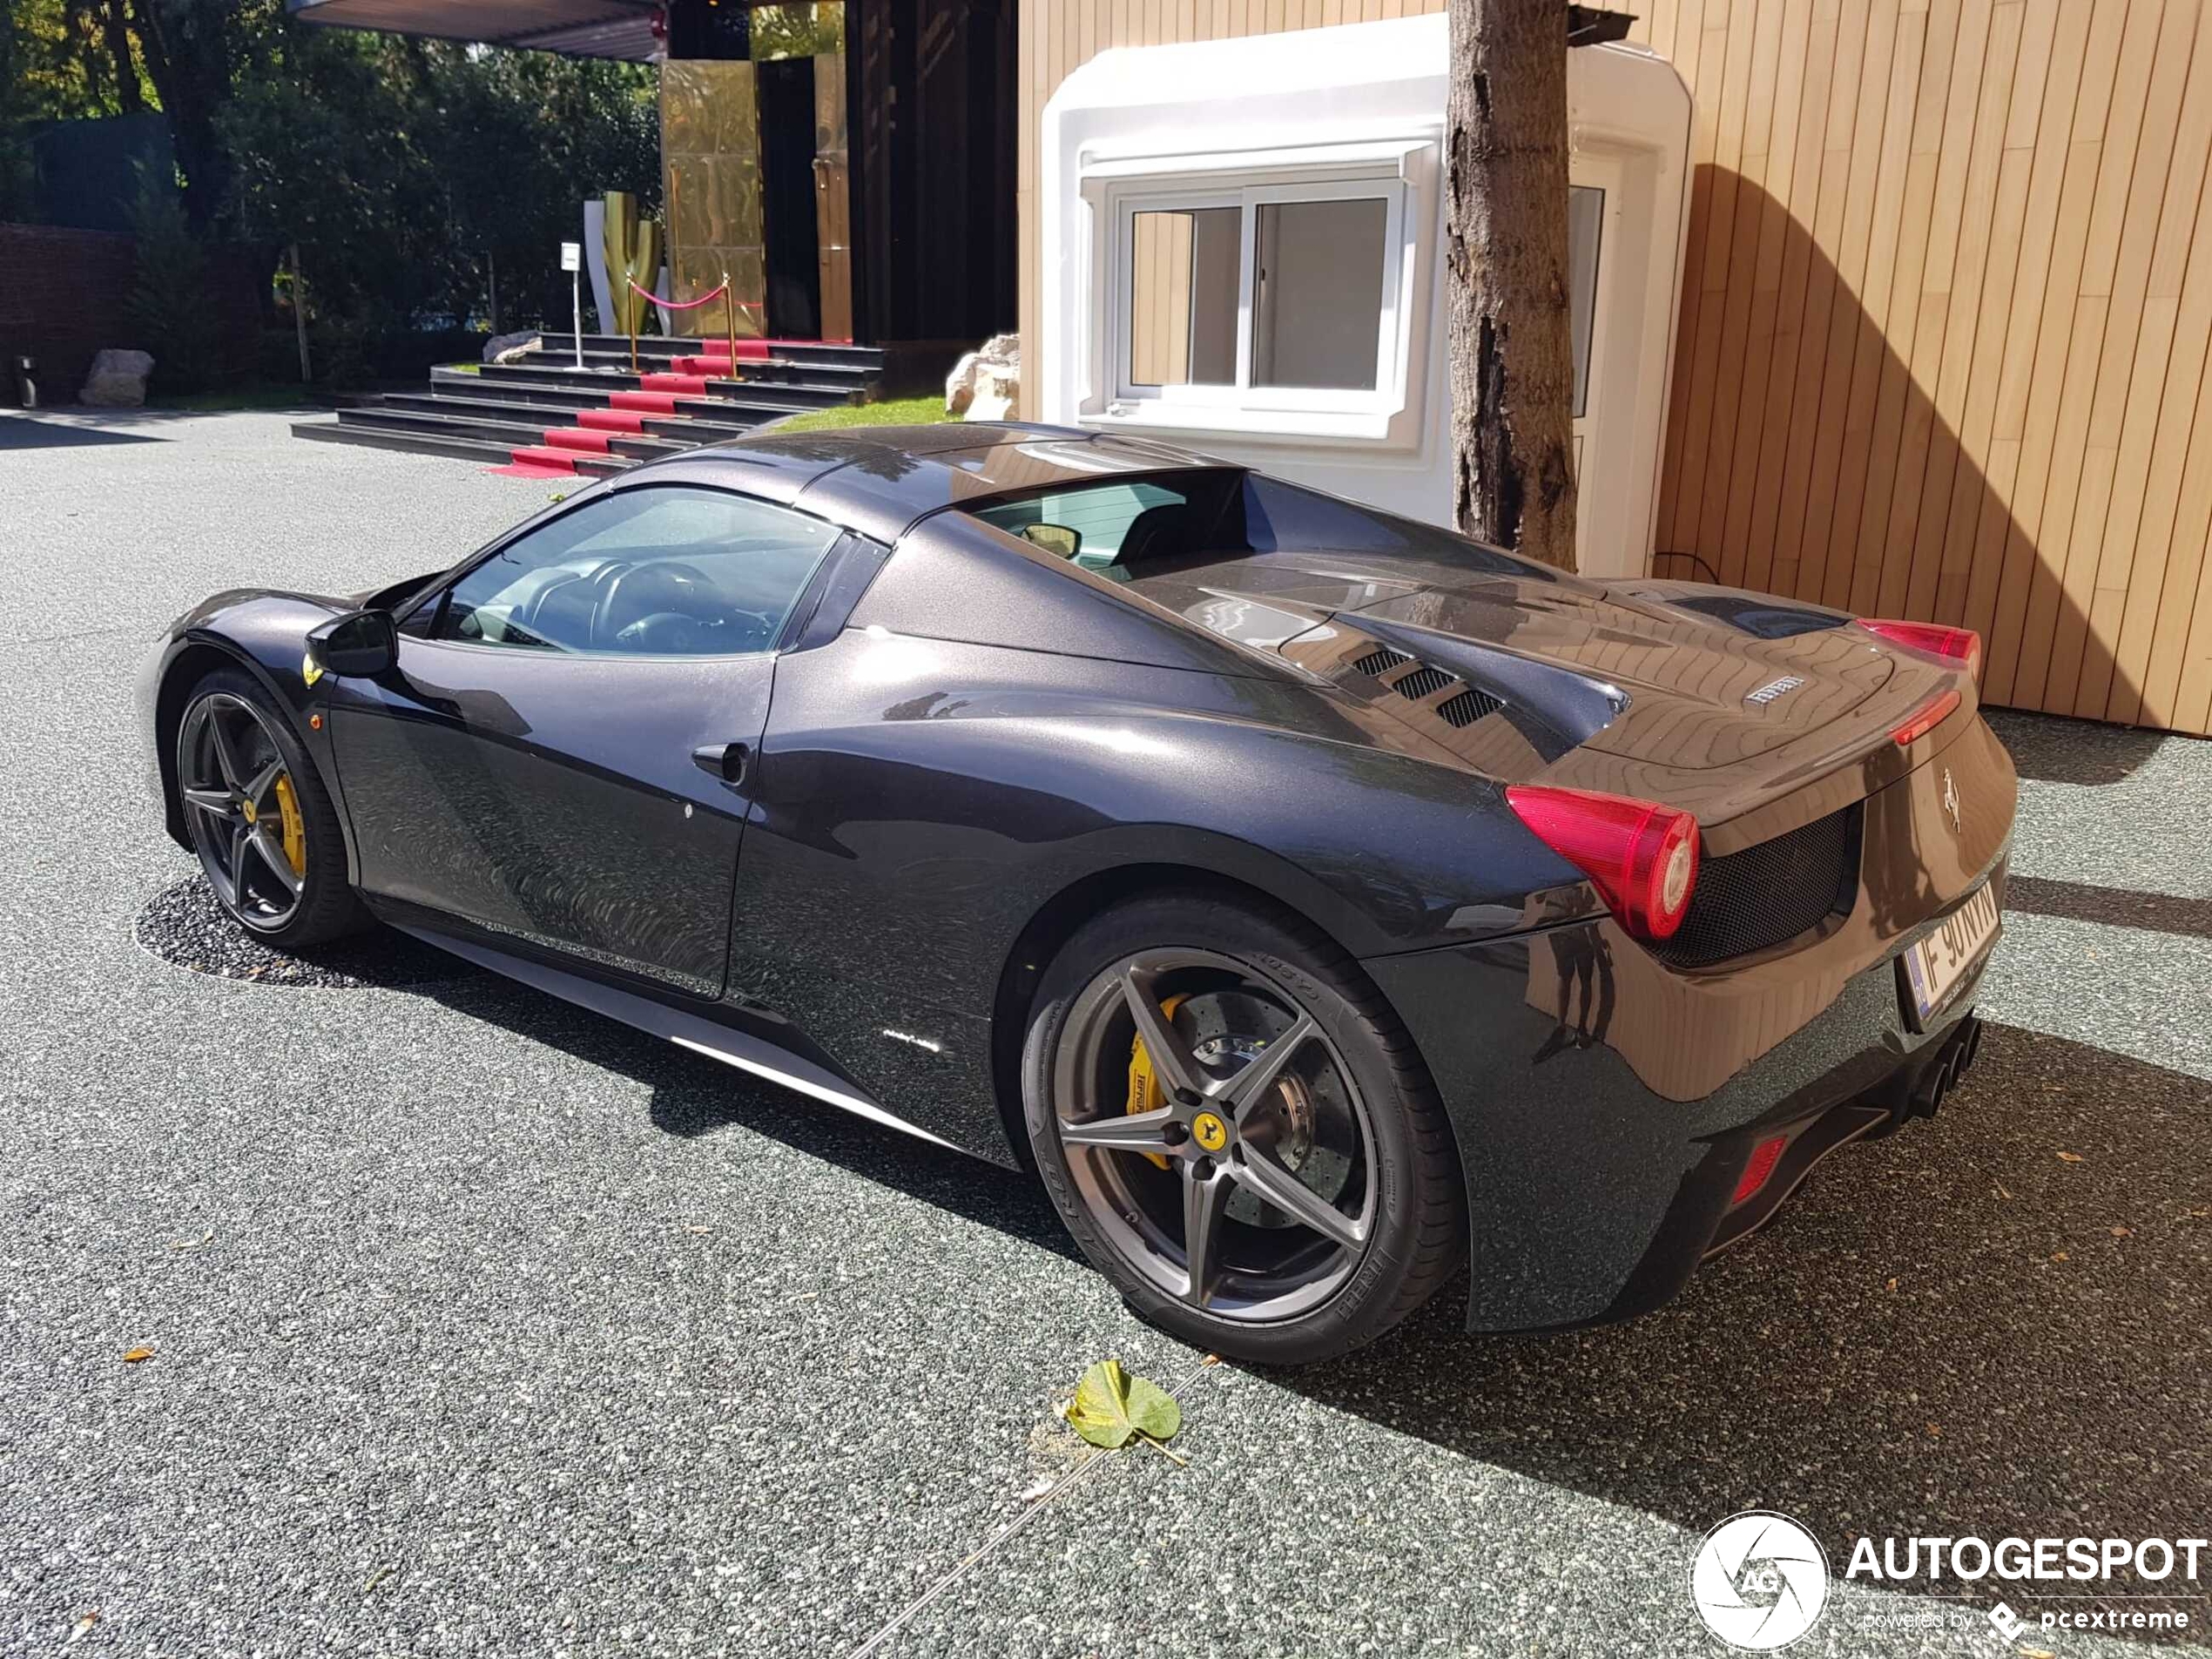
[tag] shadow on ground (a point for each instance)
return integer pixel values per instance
(692, 1096)
(1943, 1333)
(1957, 1330)
(42, 432)
(2047, 749)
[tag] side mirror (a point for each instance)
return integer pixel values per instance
(1053, 538)
(360, 644)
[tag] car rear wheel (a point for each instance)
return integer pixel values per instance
(260, 818)
(1238, 1132)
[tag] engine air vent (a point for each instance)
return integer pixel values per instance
(1468, 706)
(1423, 682)
(1381, 660)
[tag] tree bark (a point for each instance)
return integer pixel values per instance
(1506, 250)
(186, 55)
(115, 30)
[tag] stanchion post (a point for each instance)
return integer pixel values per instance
(730, 316)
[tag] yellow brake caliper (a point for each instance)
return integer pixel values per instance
(1145, 1093)
(295, 828)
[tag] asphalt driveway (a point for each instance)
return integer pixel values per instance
(482, 1325)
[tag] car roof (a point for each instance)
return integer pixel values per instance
(881, 480)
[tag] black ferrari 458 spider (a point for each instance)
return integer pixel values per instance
(1315, 900)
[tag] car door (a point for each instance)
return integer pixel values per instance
(564, 753)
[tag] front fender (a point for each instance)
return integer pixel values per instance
(262, 633)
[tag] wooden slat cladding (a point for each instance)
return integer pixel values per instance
(1946, 320)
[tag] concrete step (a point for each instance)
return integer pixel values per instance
(684, 430)
(783, 396)
(870, 357)
(413, 441)
(737, 415)
(515, 430)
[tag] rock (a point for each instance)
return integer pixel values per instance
(116, 381)
(511, 348)
(996, 393)
(996, 362)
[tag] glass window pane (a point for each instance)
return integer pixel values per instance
(1317, 294)
(1585, 224)
(1100, 517)
(647, 572)
(1182, 297)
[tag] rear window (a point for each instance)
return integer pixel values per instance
(1116, 527)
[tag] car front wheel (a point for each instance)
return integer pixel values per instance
(260, 818)
(1238, 1131)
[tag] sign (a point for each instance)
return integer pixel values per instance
(572, 256)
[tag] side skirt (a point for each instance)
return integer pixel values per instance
(710, 1037)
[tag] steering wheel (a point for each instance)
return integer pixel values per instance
(665, 633)
(639, 592)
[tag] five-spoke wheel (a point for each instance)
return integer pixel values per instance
(1228, 1131)
(258, 816)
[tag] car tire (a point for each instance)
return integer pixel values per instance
(1415, 1232)
(325, 906)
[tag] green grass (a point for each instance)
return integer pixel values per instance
(898, 411)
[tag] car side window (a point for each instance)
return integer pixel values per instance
(672, 569)
(1089, 524)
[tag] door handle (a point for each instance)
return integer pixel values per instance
(725, 760)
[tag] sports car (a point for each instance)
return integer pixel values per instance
(1314, 900)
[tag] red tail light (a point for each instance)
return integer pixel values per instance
(1642, 856)
(1959, 645)
(1926, 718)
(1765, 1157)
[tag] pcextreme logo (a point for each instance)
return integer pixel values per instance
(1759, 1580)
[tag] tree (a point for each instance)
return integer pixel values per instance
(1505, 247)
(194, 51)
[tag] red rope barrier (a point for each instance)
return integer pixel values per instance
(672, 305)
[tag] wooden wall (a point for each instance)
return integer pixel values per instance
(1947, 305)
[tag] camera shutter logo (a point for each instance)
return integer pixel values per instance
(1759, 1580)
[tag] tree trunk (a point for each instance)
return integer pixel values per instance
(115, 30)
(187, 58)
(1505, 248)
(299, 316)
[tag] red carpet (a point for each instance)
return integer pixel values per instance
(627, 410)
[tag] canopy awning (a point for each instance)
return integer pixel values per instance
(620, 28)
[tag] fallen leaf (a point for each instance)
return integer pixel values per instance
(378, 1577)
(1112, 1406)
(1889, 1284)
(144, 1351)
(2122, 1232)
(2071, 1157)
(2059, 1256)
(1935, 1431)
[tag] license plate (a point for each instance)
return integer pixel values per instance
(1935, 965)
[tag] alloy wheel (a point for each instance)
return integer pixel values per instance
(243, 810)
(1216, 1134)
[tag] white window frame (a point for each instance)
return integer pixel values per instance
(1399, 173)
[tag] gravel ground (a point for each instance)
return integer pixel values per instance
(483, 1326)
